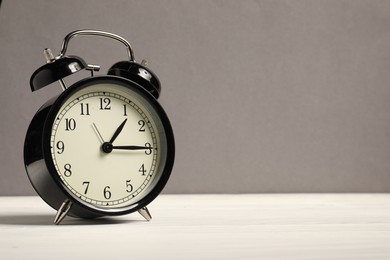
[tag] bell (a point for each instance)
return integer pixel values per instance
(56, 70)
(137, 73)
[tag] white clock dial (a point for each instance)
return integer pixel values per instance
(106, 145)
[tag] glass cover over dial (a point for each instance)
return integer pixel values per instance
(108, 145)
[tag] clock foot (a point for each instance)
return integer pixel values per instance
(62, 211)
(145, 213)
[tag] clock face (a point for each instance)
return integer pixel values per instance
(108, 145)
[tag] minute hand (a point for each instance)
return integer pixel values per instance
(132, 147)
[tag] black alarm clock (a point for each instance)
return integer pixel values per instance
(104, 146)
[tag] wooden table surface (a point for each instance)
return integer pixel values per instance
(258, 226)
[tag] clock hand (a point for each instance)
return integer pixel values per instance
(118, 131)
(108, 147)
(132, 147)
(98, 133)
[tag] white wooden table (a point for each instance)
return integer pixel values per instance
(294, 226)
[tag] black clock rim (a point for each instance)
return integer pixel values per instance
(166, 172)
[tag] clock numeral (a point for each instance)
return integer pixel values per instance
(129, 187)
(67, 168)
(60, 146)
(141, 123)
(70, 124)
(142, 169)
(86, 184)
(148, 151)
(124, 110)
(84, 109)
(107, 192)
(105, 104)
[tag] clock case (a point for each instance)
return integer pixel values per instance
(37, 157)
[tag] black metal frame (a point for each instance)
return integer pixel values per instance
(40, 167)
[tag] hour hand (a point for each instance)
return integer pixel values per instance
(118, 131)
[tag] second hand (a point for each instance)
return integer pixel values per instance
(98, 133)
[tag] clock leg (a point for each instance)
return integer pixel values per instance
(145, 213)
(62, 211)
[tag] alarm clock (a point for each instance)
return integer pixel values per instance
(104, 146)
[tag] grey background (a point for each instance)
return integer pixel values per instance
(264, 96)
